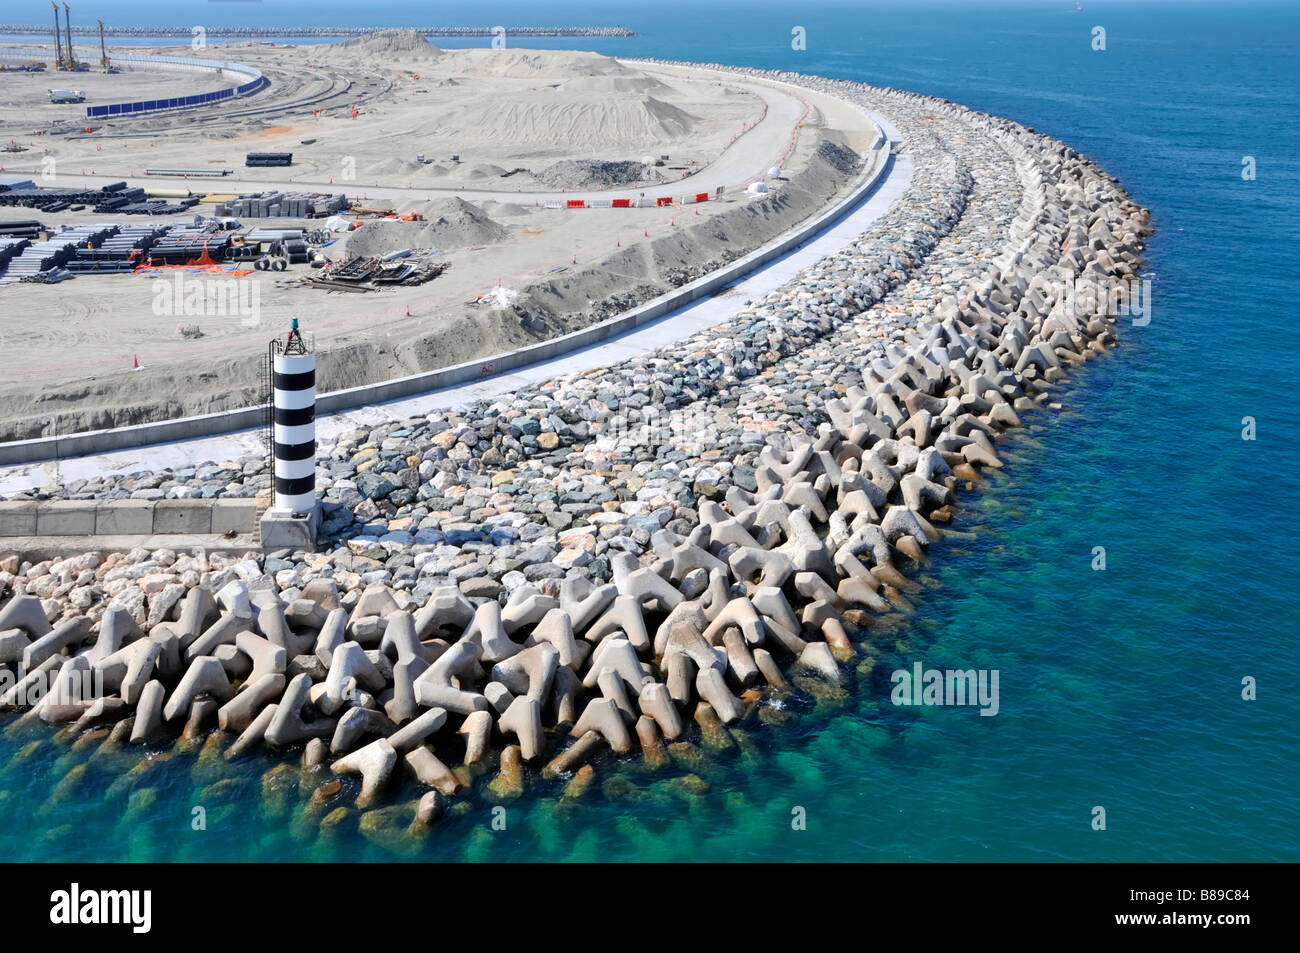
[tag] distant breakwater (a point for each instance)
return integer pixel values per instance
(283, 31)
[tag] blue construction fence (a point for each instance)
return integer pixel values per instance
(180, 102)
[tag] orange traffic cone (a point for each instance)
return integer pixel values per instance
(408, 310)
(135, 362)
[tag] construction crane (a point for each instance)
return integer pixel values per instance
(67, 23)
(58, 38)
(104, 61)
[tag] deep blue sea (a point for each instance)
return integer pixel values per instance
(1119, 689)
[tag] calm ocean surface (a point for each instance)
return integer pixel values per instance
(1119, 689)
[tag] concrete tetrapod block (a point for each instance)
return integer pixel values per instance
(658, 704)
(499, 697)
(614, 688)
(741, 614)
(739, 660)
(818, 658)
(446, 609)
(13, 642)
(712, 687)
(148, 723)
(525, 607)
(375, 600)
(530, 672)
(488, 632)
(433, 689)
(116, 629)
(404, 706)
(197, 610)
(333, 633)
(267, 658)
(238, 713)
(772, 603)
(623, 616)
(477, 729)
(771, 671)
(399, 641)
(652, 745)
(355, 726)
(690, 614)
(127, 670)
(564, 695)
(771, 567)
(26, 613)
(680, 672)
(234, 598)
(574, 756)
(103, 711)
(647, 586)
(68, 634)
(274, 627)
(584, 605)
(602, 715)
(556, 628)
(812, 586)
(374, 763)
(305, 614)
(289, 727)
(414, 732)
(349, 662)
(426, 767)
(253, 734)
(618, 654)
(222, 632)
(169, 659)
(523, 719)
(204, 676)
(70, 694)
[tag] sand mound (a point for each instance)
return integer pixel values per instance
(395, 165)
(530, 64)
(560, 123)
(615, 84)
(406, 45)
(485, 171)
(449, 223)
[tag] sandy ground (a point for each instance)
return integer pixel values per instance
(66, 351)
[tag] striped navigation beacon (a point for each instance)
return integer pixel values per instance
(292, 520)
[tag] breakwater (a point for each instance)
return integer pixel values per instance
(638, 562)
(279, 32)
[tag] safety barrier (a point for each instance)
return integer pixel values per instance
(661, 201)
(256, 81)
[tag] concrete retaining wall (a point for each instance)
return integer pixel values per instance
(23, 518)
(206, 425)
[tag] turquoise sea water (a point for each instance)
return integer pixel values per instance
(1119, 689)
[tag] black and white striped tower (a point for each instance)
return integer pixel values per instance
(294, 444)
